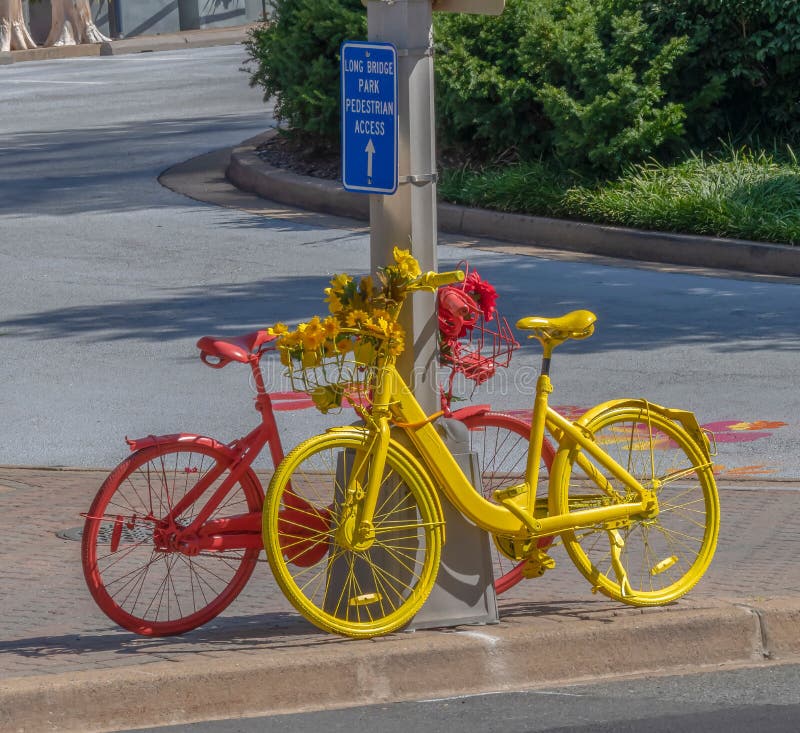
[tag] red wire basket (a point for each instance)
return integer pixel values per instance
(474, 340)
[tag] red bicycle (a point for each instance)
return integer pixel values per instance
(174, 532)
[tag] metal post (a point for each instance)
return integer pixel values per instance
(407, 219)
(114, 29)
(463, 592)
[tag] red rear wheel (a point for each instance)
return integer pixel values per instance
(501, 442)
(131, 563)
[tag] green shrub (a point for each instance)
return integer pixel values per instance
(740, 78)
(578, 79)
(485, 101)
(295, 59)
(602, 88)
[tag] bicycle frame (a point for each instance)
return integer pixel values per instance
(241, 531)
(514, 516)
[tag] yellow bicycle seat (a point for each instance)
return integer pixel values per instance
(574, 325)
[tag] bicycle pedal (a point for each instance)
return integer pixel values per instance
(535, 567)
(665, 564)
(365, 599)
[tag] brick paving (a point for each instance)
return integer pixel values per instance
(49, 623)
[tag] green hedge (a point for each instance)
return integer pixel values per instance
(578, 80)
(588, 85)
(740, 79)
(295, 59)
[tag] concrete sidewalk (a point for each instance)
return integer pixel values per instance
(138, 44)
(64, 666)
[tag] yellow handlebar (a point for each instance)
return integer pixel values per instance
(434, 280)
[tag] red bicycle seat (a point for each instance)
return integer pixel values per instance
(238, 348)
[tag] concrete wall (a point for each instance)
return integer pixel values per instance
(218, 13)
(151, 17)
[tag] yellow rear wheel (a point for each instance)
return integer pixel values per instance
(645, 561)
(358, 588)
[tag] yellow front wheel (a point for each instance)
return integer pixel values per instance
(358, 584)
(645, 560)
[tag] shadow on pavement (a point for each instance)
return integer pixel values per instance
(250, 633)
(726, 315)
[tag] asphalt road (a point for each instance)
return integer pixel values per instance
(732, 701)
(108, 279)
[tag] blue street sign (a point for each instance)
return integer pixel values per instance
(369, 117)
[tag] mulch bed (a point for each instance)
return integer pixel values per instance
(282, 152)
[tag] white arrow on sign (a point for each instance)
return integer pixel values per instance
(370, 150)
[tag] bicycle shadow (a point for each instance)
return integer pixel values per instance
(235, 633)
(604, 612)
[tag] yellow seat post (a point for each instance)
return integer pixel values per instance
(550, 332)
(543, 389)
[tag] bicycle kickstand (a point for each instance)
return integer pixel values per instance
(617, 544)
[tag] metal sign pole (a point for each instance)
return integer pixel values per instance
(407, 219)
(464, 591)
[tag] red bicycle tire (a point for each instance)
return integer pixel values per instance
(120, 578)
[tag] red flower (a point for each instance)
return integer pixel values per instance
(482, 292)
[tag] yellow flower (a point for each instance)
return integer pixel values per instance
(278, 329)
(327, 397)
(344, 344)
(333, 300)
(331, 327)
(397, 345)
(367, 287)
(310, 359)
(406, 263)
(357, 318)
(396, 339)
(313, 334)
(379, 325)
(340, 282)
(289, 340)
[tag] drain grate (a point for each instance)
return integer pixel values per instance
(139, 533)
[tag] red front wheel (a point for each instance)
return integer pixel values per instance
(139, 568)
(501, 442)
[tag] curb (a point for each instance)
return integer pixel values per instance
(138, 44)
(521, 652)
(248, 172)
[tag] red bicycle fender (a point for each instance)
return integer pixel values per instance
(183, 438)
(471, 411)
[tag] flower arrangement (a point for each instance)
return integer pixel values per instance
(466, 344)
(461, 305)
(361, 327)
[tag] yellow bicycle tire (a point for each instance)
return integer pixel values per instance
(664, 557)
(364, 593)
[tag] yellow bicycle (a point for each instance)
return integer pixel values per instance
(353, 524)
